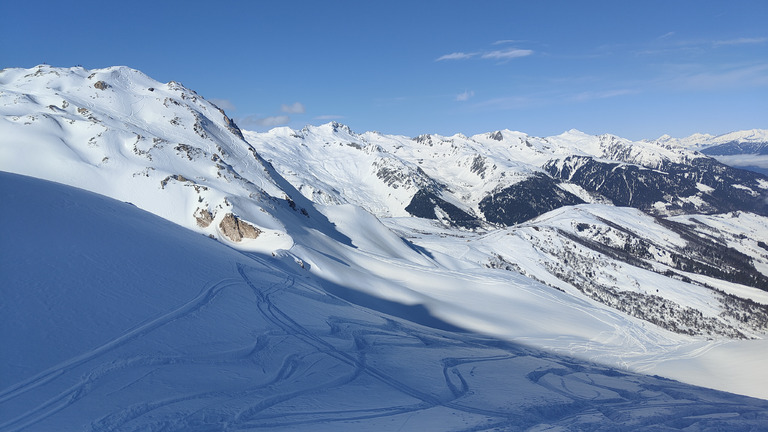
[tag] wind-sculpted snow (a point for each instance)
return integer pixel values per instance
(143, 325)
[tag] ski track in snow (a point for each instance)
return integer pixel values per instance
(78, 391)
(581, 389)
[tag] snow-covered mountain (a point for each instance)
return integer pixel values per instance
(162, 147)
(601, 251)
(744, 149)
(643, 256)
(468, 181)
(711, 144)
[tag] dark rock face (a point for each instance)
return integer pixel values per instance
(231, 125)
(526, 200)
(425, 204)
(497, 136)
(738, 148)
(724, 188)
(734, 189)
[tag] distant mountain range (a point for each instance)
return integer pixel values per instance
(743, 149)
(636, 254)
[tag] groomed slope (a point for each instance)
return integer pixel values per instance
(115, 319)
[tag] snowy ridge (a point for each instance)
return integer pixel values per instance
(743, 149)
(702, 141)
(502, 243)
(160, 146)
(383, 173)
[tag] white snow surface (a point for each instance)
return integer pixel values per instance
(141, 325)
(332, 164)
(701, 141)
(165, 328)
(159, 146)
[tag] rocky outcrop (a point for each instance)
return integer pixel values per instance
(704, 185)
(203, 217)
(427, 204)
(525, 200)
(237, 229)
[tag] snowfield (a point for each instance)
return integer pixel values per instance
(163, 270)
(115, 319)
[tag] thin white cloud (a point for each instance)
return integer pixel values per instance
(294, 108)
(505, 42)
(513, 102)
(270, 121)
(503, 54)
(329, 117)
(605, 94)
(741, 41)
(507, 54)
(741, 77)
(666, 35)
(456, 56)
(462, 97)
(224, 104)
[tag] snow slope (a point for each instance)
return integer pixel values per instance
(140, 324)
(117, 132)
(320, 206)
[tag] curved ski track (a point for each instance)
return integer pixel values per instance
(306, 356)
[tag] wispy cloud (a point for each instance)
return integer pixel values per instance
(514, 102)
(294, 108)
(666, 35)
(224, 104)
(329, 117)
(602, 94)
(666, 46)
(498, 54)
(271, 121)
(550, 97)
(734, 77)
(741, 41)
(507, 54)
(456, 56)
(462, 97)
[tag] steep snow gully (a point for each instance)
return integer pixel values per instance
(115, 319)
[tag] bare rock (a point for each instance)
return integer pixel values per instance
(236, 229)
(203, 217)
(101, 85)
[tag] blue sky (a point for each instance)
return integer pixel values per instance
(638, 69)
